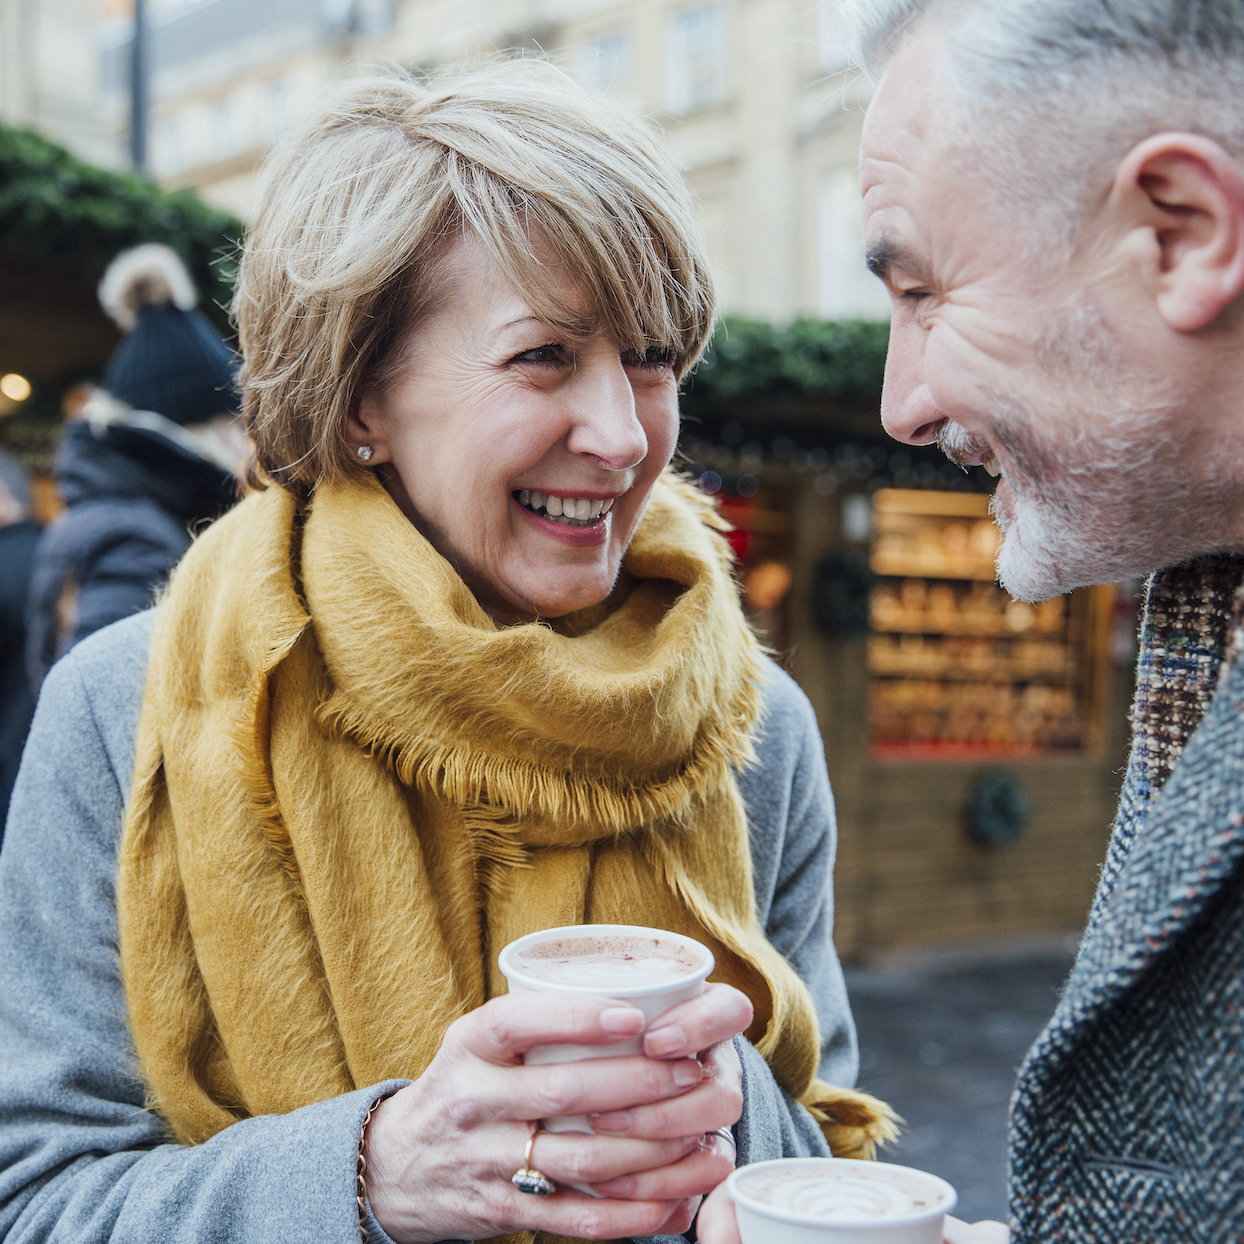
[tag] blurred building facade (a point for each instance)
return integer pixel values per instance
(753, 96)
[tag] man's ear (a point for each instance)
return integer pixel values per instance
(1187, 194)
(365, 426)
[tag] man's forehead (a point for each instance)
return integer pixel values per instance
(902, 177)
(900, 128)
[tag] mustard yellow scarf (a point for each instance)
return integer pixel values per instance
(352, 789)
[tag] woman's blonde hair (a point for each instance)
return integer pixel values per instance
(341, 261)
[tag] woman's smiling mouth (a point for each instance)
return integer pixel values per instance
(569, 511)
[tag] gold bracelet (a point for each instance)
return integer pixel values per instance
(361, 1170)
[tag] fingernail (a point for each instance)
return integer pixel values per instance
(687, 1073)
(665, 1041)
(623, 1186)
(612, 1121)
(623, 1020)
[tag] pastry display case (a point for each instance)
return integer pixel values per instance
(958, 668)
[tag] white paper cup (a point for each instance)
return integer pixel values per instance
(652, 1000)
(764, 1222)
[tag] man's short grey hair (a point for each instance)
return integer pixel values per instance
(1079, 82)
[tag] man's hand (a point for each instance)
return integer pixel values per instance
(984, 1232)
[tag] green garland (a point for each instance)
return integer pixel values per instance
(58, 208)
(808, 358)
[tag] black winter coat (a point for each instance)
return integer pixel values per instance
(17, 703)
(132, 500)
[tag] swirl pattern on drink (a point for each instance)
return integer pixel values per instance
(872, 1193)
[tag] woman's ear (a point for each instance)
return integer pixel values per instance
(364, 433)
(1187, 193)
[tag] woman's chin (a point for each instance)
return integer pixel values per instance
(561, 596)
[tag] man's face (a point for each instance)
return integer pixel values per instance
(1015, 357)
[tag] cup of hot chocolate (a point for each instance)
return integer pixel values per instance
(838, 1201)
(650, 968)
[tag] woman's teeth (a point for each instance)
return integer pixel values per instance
(992, 465)
(573, 511)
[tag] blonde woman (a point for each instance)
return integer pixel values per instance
(465, 664)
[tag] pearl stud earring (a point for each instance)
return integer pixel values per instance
(365, 452)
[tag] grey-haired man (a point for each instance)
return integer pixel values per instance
(1054, 198)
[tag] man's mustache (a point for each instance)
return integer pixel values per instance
(960, 445)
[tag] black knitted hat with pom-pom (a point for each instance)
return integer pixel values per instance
(172, 360)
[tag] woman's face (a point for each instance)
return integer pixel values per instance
(494, 412)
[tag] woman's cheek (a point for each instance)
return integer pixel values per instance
(658, 414)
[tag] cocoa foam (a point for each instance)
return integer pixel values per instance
(863, 1192)
(618, 961)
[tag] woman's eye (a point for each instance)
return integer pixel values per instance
(552, 355)
(654, 358)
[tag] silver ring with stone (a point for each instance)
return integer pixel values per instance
(531, 1181)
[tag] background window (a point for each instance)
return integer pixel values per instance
(696, 58)
(831, 42)
(607, 63)
(170, 147)
(276, 108)
(223, 129)
(848, 289)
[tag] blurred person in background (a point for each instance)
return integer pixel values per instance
(18, 536)
(147, 459)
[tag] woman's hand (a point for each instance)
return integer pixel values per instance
(440, 1153)
(716, 1225)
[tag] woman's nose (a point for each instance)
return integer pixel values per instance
(908, 411)
(606, 426)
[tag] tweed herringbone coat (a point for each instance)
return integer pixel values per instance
(1127, 1123)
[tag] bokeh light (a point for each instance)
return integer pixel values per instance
(16, 388)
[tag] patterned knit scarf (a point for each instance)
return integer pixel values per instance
(1191, 616)
(352, 789)
(1190, 634)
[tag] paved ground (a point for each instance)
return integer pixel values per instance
(941, 1042)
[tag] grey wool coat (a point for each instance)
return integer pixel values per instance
(83, 1161)
(1128, 1118)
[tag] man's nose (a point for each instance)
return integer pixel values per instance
(908, 411)
(606, 426)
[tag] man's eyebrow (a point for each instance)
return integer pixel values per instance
(889, 253)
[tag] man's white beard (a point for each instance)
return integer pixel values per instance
(1120, 499)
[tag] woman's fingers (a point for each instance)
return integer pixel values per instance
(679, 1222)
(589, 1087)
(503, 1030)
(716, 1102)
(580, 1217)
(716, 1223)
(575, 1157)
(695, 1175)
(704, 1109)
(718, 1014)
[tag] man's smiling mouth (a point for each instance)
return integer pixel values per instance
(966, 449)
(570, 511)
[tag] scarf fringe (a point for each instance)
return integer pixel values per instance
(579, 798)
(855, 1124)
